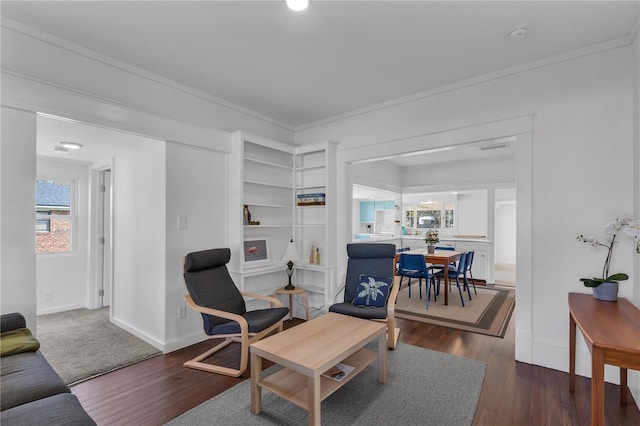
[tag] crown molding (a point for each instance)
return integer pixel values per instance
(89, 108)
(50, 39)
(541, 63)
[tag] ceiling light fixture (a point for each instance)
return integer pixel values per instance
(297, 5)
(71, 145)
(518, 32)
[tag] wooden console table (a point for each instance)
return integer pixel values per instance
(612, 333)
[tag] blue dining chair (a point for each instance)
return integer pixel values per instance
(415, 266)
(436, 268)
(455, 275)
(467, 270)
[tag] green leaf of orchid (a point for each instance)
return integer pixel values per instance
(617, 277)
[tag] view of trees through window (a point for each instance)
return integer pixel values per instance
(53, 216)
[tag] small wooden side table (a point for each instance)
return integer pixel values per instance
(610, 330)
(299, 291)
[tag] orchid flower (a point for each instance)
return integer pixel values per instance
(611, 230)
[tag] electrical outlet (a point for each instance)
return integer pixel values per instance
(182, 312)
(48, 296)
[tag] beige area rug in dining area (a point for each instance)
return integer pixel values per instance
(487, 313)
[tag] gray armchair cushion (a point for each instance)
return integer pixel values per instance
(210, 285)
(375, 260)
(346, 308)
(258, 320)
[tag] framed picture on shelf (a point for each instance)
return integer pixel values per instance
(256, 252)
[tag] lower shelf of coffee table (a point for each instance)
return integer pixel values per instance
(292, 386)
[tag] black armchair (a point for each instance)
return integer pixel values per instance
(213, 293)
(372, 260)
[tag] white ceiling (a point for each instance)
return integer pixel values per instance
(97, 143)
(336, 57)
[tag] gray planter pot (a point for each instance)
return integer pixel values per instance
(607, 291)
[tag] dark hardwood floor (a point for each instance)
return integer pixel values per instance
(157, 390)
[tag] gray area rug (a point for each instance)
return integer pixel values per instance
(83, 343)
(424, 387)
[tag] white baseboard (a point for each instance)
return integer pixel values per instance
(138, 333)
(183, 342)
(56, 309)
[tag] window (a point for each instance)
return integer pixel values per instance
(436, 213)
(54, 218)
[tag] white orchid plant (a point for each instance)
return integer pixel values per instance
(611, 230)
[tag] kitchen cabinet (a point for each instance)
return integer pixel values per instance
(367, 211)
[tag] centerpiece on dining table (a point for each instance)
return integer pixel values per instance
(431, 239)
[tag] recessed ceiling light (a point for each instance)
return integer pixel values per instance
(60, 150)
(297, 5)
(71, 145)
(518, 32)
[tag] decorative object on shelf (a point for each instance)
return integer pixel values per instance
(317, 255)
(606, 287)
(431, 239)
(311, 199)
(246, 215)
(254, 222)
(290, 254)
(256, 252)
(312, 255)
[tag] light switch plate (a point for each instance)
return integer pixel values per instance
(182, 222)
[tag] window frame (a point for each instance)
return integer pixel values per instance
(71, 217)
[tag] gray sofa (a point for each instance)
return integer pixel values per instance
(31, 392)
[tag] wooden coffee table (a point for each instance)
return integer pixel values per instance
(308, 350)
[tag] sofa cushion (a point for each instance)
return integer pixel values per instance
(27, 377)
(63, 409)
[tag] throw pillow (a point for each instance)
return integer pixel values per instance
(372, 292)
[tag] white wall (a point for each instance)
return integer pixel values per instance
(17, 201)
(505, 235)
(65, 275)
(582, 122)
(471, 214)
(460, 175)
(43, 74)
(139, 238)
(125, 90)
(196, 190)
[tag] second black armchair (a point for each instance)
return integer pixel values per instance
(213, 293)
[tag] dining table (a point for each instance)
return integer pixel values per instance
(438, 257)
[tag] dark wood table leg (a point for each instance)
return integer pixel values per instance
(572, 354)
(597, 387)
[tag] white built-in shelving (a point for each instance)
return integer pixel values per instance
(267, 176)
